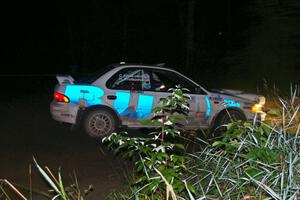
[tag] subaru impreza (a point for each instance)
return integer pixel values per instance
(125, 94)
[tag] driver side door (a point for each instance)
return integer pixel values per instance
(162, 80)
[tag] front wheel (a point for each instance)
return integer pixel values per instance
(99, 123)
(224, 118)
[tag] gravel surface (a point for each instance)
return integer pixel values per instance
(27, 129)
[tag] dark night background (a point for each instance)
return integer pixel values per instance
(219, 43)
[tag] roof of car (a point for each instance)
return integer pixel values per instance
(89, 78)
(138, 64)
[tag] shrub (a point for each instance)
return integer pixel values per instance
(159, 162)
(251, 161)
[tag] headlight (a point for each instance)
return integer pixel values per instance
(257, 108)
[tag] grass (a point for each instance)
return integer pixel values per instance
(283, 110)
(252, 162)
(58, 189)
(249, 162)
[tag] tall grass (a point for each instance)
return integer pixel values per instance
(58, 190)
(254, 160)
(251, 161)
(257, 160)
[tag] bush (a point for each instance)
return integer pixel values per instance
(159, 162)
(251, 161)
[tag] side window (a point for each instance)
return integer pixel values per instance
(164, 80)
(130, 79)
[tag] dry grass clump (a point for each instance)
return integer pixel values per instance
(283, 109)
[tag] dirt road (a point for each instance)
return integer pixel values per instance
(27, 129)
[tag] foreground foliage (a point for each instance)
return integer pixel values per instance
(252, 161)
(58, 190)
(257, 160)
(159, 162)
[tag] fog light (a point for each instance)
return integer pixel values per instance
(257, 108)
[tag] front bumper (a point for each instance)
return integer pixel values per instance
(257, 117)
(64, 112)
(262, 116)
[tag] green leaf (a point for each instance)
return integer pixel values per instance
(275, 112)
(146, 122)
(129, 154)
(46, 177)
(162, 155)
(62, 188)
(161, 168)
(180, 146)
(140, 179)
(191, 188)
(217, 143)
(263, 154)
(253, 172)
(157, 109)
(139, 167)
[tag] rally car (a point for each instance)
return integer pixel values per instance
(125, 94)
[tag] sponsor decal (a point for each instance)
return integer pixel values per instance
(208, 109)
(121, 103)
(143, 109)
(231, 103)
(91, 94)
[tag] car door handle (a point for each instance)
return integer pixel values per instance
(111, 97)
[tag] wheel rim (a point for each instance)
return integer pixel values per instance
(100, 124)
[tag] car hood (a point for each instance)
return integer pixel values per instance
(240, 95)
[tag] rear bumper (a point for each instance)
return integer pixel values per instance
(63, 112)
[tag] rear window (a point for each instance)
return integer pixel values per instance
(130, 79)
(89, 78)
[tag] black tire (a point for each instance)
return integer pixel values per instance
(98, 123)
(224, 118)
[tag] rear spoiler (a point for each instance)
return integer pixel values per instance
(64, 79)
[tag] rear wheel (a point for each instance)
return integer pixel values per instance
(99, 123)
(224, 118)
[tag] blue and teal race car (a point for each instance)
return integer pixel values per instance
(125, 94)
